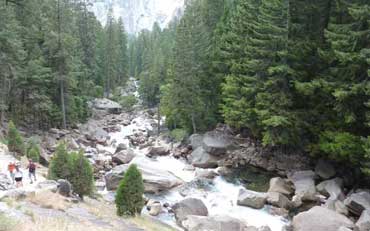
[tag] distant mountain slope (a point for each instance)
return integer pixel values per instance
(138, 14)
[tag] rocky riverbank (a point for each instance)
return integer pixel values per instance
(186, 183)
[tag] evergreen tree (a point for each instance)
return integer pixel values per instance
(15, 140)
(129, 196)
(81, 177)
(60, 166)
(33, 151)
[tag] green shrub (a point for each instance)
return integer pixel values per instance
(81, 178)
(179, 134)
(127, 102)
(73, 167)
(129, 196)
(60, 164)
(15, 140)
(342, 146)
(33, 151)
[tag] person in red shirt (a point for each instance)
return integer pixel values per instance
(11, 168)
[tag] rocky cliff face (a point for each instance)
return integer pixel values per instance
(138, 14)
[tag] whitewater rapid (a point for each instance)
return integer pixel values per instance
(220, 196)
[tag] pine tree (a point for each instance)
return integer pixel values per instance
(15, 140)
(81, 177)
(129, 196)
(60, 165)
(33, 151)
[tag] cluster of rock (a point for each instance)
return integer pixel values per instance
(325, 205)
(192, 215)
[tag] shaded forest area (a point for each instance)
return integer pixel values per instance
(54, 57)
(290, 73)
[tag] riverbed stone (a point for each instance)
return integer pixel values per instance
(214, 223)
(189, 206)
(201, 159)
(155, 180)
(215, 145)
(279, 185)
(107, 105)
(123, 157)
(304, 184)
(363, 223)
(158, 151)
(358, 202)
(120, 148)
(320, 219)
(196, 141)
(205, 173)
(325, 169)
(155, 209)
(278, 200)
(251, 199)
(332, 188)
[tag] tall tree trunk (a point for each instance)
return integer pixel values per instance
(193, 122)
(60, 69)
(159, 120)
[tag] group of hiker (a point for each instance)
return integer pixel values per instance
(16, 173)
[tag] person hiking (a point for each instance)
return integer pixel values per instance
(18, 176)
(31, 170)
(11, 168)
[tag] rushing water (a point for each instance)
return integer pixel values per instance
(220, 196)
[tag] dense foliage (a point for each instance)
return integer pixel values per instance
(290, 73)
(55, 56)
(82, 176)
(73, 167)
(15, 140)
(33, 151)
(129, 196)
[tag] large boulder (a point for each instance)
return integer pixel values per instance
(358, 202)
(214, 223)
(120, 147)
(251, 199)
(304, 183)
(93, 132)
(363, 223)
(123, 157)
(107, 105)
(278, 200)
(320, 219)
(196, 141)
(216, 145)
(64, 188)
(155, 209)
(325, 169)
(201, 159)
(280, 185)
(158, 151)
(155, 180)
(332, 188)
(189, 206)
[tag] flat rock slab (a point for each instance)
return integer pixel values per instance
(358, 202)
(320, 219)
(304, 183)
(251, 199)
(215, 223)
